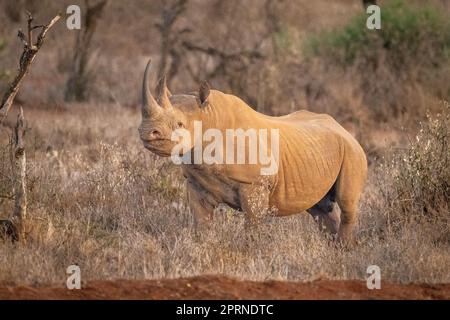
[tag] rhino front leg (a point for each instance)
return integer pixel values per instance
(254, 202)
(201, 203)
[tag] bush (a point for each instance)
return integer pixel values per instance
(418, 178)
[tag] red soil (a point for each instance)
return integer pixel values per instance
(218, 287)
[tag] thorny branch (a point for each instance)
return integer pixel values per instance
(30, 50)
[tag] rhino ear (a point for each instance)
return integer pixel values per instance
(203, 93)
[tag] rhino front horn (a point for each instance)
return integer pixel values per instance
(149, 105)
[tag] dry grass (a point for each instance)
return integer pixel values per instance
(99, 200)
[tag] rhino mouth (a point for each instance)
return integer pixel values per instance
(161, 147)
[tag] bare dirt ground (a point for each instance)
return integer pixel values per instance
(218, 287)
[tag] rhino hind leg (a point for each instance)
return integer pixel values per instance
(349, 217)
(326, 213)
(349, 187)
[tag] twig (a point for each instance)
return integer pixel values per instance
(30, 28)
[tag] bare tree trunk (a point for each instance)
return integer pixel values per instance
(170, 39)
(20, 172)
(14, 228)
(80, 76)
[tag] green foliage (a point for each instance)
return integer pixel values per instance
(406, 30)
(283, 41)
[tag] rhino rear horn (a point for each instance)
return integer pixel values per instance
(163, 93)
(203, 93)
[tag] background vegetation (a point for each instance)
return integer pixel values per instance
(411, 50)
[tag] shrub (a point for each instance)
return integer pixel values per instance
(417, 179)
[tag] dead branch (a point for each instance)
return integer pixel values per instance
(251, 54)
(240, 59)
(26, 59)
